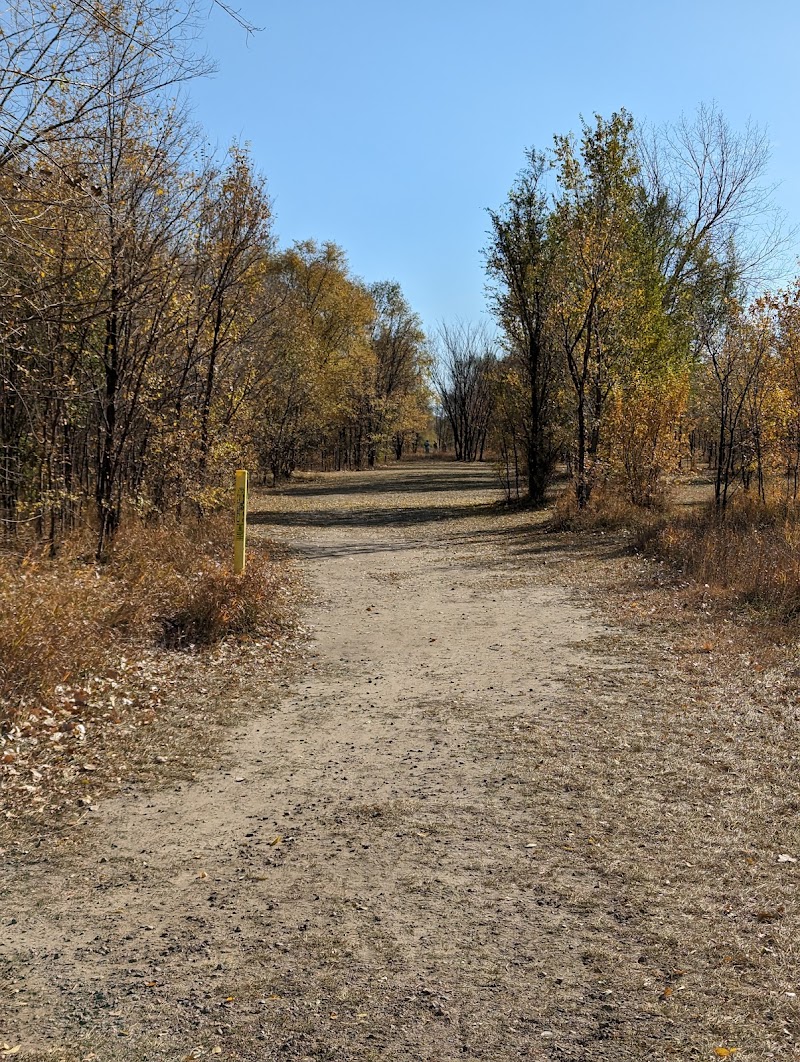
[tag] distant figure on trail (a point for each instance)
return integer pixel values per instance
(427, 447)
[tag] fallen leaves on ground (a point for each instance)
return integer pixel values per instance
(110, 730)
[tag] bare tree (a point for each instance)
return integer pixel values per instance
(706, 197)
(56, 72)
(466, 358)
(735, 346)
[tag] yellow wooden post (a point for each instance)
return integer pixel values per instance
(240, 524)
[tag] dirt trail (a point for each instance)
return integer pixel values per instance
(418, 853)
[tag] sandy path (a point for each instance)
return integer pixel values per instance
(415, 855)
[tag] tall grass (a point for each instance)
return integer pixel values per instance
(64, 619)
(751, 551)
(608, 510)
(54, 627)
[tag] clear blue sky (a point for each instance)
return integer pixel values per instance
(390, 128)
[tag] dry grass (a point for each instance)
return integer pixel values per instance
(219, 604)
(56, 625)
(63, 620)
(608, 510)
(747, 556)
(750, 554)
(179, 588)
(90, 691)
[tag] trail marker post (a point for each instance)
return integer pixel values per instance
(240, 522)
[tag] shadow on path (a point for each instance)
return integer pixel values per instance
(401, 495)
(377, 516)
(377, 481)
(349, 549)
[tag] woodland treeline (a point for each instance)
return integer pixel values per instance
(153, 336)
(622, 270)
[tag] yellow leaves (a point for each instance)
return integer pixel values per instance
(725, 1052)
(641, 443)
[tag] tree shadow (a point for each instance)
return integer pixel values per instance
(536, 541)
(370, 516)
(448, 479)
(315, 551)
(399, 496)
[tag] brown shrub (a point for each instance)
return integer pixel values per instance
(219, 604)
(53, 626)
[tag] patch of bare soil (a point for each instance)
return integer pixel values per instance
(521, 804)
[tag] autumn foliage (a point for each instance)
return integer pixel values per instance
(154, 336)
(622, 271)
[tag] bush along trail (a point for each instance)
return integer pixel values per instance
(518, 803)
